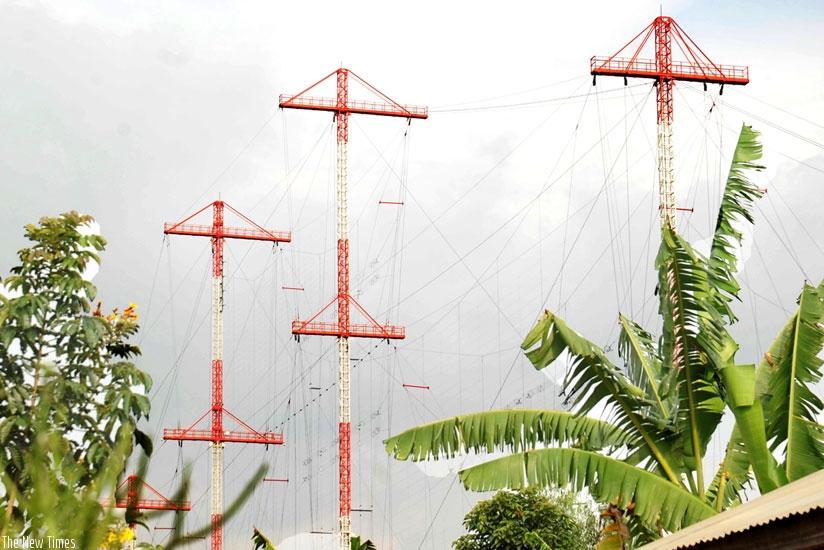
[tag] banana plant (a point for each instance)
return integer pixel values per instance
(667, 398)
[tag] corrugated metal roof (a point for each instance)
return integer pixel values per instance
(798, 497)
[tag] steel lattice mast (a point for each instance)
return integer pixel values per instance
(216, 435)
(664, 71)
(343, 329)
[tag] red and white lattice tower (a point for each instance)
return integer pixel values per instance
(344, 329)
(216, 435)
(664, 71)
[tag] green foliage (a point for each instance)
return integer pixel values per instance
(261, 541)
(606, 478)
(57, 502)
(69, 394)
(792, 405)
(666, 400)
(355, 543)
(515, 430)
(529, 519)
(70, 398)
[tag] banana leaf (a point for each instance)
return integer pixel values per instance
(608, 480)
(592, 378)
(793, 407)
(514, 430)
(736, 205)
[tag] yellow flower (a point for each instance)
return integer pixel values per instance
(129, 313)
(126, 535)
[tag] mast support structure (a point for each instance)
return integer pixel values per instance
(342, 107)
(216, 435)
(664, 71)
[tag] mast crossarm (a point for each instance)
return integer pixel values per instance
(249, 233)
(354, 106)
(247, 435)
(681, 70)
(385, 107)
(372, 329)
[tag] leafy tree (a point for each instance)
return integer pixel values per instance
(70, 397)
(529, 519)
(665, 404)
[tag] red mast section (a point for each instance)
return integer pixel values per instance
(134, 485)
(343, 329)
(216, 435)
(665, 71)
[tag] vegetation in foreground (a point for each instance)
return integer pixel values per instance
(645, 462)
(70, 397)
(530, 519)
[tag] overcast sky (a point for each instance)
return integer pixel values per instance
(527, 188)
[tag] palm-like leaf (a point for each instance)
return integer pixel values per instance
(641, 360)
(793, 407)
(692, 334)
(608, 479)
(592, 378)
(733, 474)
(736, 204)
(514, 430)
(739, 381)
(260, 540)
(355, 543)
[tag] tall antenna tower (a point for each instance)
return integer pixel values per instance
(343, 329)
(216, 435)
(664, 71)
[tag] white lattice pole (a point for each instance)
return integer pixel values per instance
(217, 379)
(666, 173)
(344, 362)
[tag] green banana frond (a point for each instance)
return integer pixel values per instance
(514, 430)
(641, 361)
(356, 543)
(740, 383)
(260, 540)
(592, 378)
(607, 479)
(694, 342)
(736, 204)
(793, 407)
(733, 474)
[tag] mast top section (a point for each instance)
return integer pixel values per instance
(343, 105)
(220, 231)
(696, 67)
